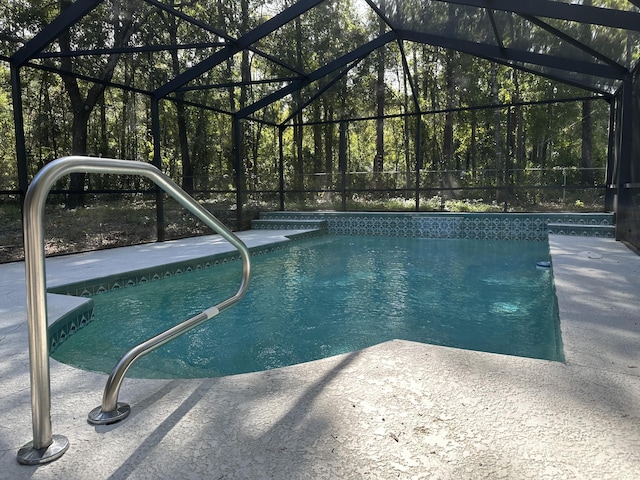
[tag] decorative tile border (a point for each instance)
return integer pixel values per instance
(276, 224)
(479, 226)
(97, 286)
(582, 230)
(69, 324)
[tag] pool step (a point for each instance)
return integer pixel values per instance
(582, 230)
(583, 225)
(282, 224)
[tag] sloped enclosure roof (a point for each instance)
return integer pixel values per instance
(184, 49)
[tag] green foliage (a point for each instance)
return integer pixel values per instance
(474, 146)
(8, 169)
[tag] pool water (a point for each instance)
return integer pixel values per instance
(331, 295)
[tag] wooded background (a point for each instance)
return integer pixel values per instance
(491, 136)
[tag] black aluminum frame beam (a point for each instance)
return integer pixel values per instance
(237, 84)
(67, 18)
(330, 67)
(493, 52)
(240, 44)
(320, 91)
(563, 11)
(494, 26)
(437, 111)
(552, 77)
(188, 18)
(220, 33)
(86, 78)
(407, 72)
(572, 41)
(125, 50)
(199, 105)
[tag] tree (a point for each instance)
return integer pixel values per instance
(378, 163)
(183, 141)
(497, 135)
(8, 175)
(587, 126)
(124, 24)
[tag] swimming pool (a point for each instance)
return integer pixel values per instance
(332, 295)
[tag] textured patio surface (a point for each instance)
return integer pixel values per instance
(396, 410)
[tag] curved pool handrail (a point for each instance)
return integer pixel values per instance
(45, 446)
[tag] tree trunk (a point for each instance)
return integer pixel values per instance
(181, 114)
(518, 127)
(299, 119)
(435, 158)
(474, 143)
(378, 162)
(104, 129)
(188, 183)
(299, 152)
(586, 163)
(255, 147)
(79, 129)
(447, 141)
(329, 133)
(83, 105)
(317, 139)
(497, 137)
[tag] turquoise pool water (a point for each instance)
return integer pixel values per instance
(332, 295)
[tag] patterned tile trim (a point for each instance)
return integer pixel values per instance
(276, 224)
(97, 286)
(484, 226)
(69, 324)
(583, 230)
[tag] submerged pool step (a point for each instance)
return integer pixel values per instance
(281, 224)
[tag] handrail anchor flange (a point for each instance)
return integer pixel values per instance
(97, 416)
(28, 455)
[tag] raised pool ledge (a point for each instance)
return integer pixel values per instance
(477, 226)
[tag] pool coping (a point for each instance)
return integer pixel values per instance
(397, 409)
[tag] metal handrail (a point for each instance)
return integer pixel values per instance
(45, 446)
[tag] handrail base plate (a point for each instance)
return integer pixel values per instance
(28, 455)
(99, 417)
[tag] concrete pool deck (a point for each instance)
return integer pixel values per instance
(396, 410)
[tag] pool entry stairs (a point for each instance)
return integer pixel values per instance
(584, 225)
(489, 226)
